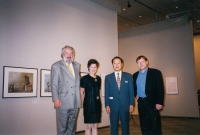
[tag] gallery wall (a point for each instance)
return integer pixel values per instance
(197, 59)
(169, 47)
(32, 35)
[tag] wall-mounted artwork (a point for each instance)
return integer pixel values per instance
(45, 83)
(171, 85)
(103, 84)
(19, 82)
(83, 73)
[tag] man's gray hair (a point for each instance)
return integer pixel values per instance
(67, 47)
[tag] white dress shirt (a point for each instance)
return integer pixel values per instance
(120, 74)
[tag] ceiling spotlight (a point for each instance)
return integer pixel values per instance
(129, 5)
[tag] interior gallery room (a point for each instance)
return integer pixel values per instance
(33, 32)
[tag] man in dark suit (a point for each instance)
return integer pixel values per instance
(65, 87)
(119, 96)
(149, 92)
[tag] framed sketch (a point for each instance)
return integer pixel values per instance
(45, 83)
(83, 74)
(19, 82)
(103, 84)
(171, 85)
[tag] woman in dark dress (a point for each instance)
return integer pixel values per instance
(90, 89)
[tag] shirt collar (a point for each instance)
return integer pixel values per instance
(120, 73)
(144, 71)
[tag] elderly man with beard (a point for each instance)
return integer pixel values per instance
(65, 84)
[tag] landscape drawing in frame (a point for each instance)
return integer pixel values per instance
(19, 82)
(45, 83)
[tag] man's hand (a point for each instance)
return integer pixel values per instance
(158, 106)
(108, 110)
(131, 108)
(57, 103)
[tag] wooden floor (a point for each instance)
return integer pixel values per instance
(170, 126)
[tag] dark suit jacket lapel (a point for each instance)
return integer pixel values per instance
(65, 68)
(135, 82)
(114, 80)
(148, 79)
(122, 80)
(135, 76)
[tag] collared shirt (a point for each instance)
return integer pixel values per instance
(71, 68)
(120, 74)
(141, 83)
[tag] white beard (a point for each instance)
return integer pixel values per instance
(68, 62)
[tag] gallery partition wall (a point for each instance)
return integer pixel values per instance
(32, 35)
(169, 47)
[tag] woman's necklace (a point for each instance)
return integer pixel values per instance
(93, 76)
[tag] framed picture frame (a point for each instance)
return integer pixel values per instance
(45, 83)
(19, 82)
(171, 85)
(103, 76)
(83, 74)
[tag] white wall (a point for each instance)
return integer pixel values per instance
(169, 49)
(32, 35)
(197, 59)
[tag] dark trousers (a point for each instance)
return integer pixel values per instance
(124, 119)
(150, 122)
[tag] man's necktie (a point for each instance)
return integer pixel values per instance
(70, 69)
(118, 80)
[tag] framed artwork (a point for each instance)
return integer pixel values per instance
(19, 82)
(171, 85)
(83, 74)
(45, 83)
(103, 84)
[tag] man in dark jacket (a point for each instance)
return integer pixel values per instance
(149, 92)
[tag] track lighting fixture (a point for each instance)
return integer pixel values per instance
(129, 5)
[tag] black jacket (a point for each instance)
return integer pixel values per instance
(154, 88)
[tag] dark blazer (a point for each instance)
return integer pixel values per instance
(154, 88)
(119, 100)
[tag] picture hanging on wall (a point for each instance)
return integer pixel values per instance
(45, 83)
(171, 85)
(19, 82)
(83, 73)
(103, 84)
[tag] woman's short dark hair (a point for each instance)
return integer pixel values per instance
(117, 57)
(141, 56)
(92, 61)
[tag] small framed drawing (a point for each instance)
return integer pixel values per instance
(171, 85)
(83, 74)
(19, 82)
(45, 83)
(103, 84)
